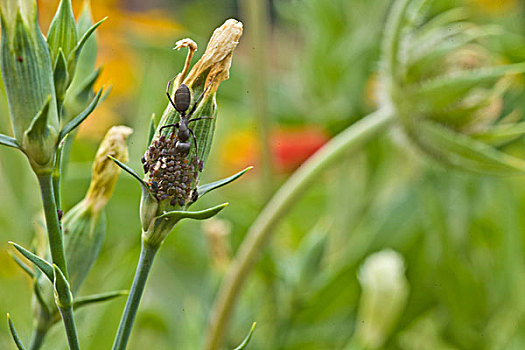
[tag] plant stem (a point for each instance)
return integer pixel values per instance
(40, 330)
(37, 339)
(257, 13)
(282, 201)
(53, 227)
(69, 324)
(147, 254)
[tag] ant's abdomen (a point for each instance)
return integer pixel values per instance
(182, 98)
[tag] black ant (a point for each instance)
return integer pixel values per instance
(181, 103)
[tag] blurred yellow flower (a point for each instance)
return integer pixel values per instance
(494, 6)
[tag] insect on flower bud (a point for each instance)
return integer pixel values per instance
(180, 146)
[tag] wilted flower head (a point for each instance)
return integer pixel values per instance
(446, 88)
(105, 172)
(383, 297)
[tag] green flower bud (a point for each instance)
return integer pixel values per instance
(62, 35)
(383, 297)
(80, 91)
(28, 79)
(446, 89)
(84, 226)
(175, 158)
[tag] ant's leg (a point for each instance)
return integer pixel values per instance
(168, 90)
(200, 98)
(195, 142)
(168, 126)
(195, 119)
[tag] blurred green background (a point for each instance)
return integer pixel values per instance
(461, 235)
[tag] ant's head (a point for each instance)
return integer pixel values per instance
(182, 98)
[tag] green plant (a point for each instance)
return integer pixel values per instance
(442, 111)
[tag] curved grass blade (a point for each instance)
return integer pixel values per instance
(12, 329)
(247, 339)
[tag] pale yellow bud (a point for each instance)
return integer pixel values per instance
(217, 233)
(105, 171)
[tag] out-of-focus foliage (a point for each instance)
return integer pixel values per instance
(461, 236)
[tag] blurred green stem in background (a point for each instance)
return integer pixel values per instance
(280, 204)
(256, 13)
(147, 254)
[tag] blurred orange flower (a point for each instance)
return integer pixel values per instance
(289, 147)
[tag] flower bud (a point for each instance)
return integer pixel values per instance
(217, 233)
(176, 156)
(383, 297)
(28, 79)
(446, 89)
(84, 226)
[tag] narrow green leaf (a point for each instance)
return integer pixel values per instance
(14, 334)
(177, 215)
(63, 295)
(202, 190)
(500, 134)
(97, 298)
(129, 171)
(22, 265)
(42, 264)
(8, 141)
(81, 117)
(445, 90)
(152, 128)
(247, 339)
(78, 48)
(467, 153)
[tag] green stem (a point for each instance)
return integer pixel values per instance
(282, 201)
(257, 14)
(69, 324)
(56, 246)
(37, 339)
(147, 254)
(53, 226)
(40, 329)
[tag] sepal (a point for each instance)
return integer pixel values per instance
(202, 190)
(97, 298)
(42, 264)
(75, 122)
(63, 295)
